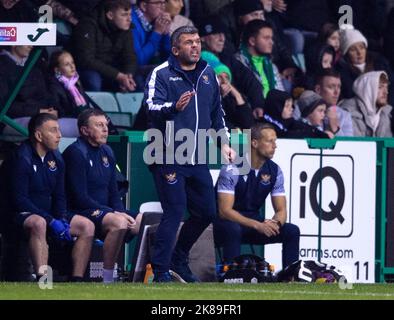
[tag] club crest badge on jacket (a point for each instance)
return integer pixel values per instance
(265, 179)
(171, 178)
(52, 165)
(105, 162)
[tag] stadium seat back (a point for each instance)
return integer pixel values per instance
(152, 206)
(130, 102)
(63, 27)
(64, 143)
(105, 100)
(121, 119)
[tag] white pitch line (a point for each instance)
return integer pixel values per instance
(344, 293)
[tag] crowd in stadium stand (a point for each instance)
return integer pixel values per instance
(290, 63)
(278, 50)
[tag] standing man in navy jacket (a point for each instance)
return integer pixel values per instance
(37, 188)
(183, 94)
(92, 190)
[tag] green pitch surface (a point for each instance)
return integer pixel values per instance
(212, 291)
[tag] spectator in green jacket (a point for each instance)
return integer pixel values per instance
(103, 48)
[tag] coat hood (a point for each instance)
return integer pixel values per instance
(366, 89)
(275, 103)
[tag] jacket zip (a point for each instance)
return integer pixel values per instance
(196, 108)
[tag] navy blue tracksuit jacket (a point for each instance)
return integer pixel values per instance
(91, 179)
(165, 85)
(37, 185)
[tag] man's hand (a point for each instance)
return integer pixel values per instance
(60, 230)
(332, 117)
(126, 82)
(289, 74)
(237, 96)
(228, 153)
(131, 80)
(279, 5)
(163, 23)
(184, 100)
(258, 113)
(131, 223)
(269, 228)
(225, 88)
(330, 134)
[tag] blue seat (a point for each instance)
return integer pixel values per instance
(65, 142)
(105, 100)
(121, 120)
(63, 27)
(130, 102)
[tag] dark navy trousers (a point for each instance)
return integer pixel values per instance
(230, 235)
(181, 187)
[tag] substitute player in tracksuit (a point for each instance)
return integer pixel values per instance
(36, 175)
(240, 198)
(182, 93)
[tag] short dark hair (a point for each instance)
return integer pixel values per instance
(84, 116)
(37, 121)
(252, 28)
(326, 73)
(180, 31)
(111, 5)
(258, 127)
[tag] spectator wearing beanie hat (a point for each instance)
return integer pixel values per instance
(238, 113)
(350, 37)
(212, 32)
(357, 60)
(215, 63)
(248, 10)
(313, 108)
(279, 112)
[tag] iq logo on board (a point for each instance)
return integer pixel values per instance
(335, 180)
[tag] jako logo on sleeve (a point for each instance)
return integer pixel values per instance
(8, 34)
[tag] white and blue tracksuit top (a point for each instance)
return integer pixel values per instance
(165, 85)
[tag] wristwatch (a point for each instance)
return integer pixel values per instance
(336, 131)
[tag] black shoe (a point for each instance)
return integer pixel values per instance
(185, 273)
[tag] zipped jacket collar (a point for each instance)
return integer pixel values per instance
(174, 64)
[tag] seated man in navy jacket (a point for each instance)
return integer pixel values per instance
(38, 197)
(91, 186)
(241, 197)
